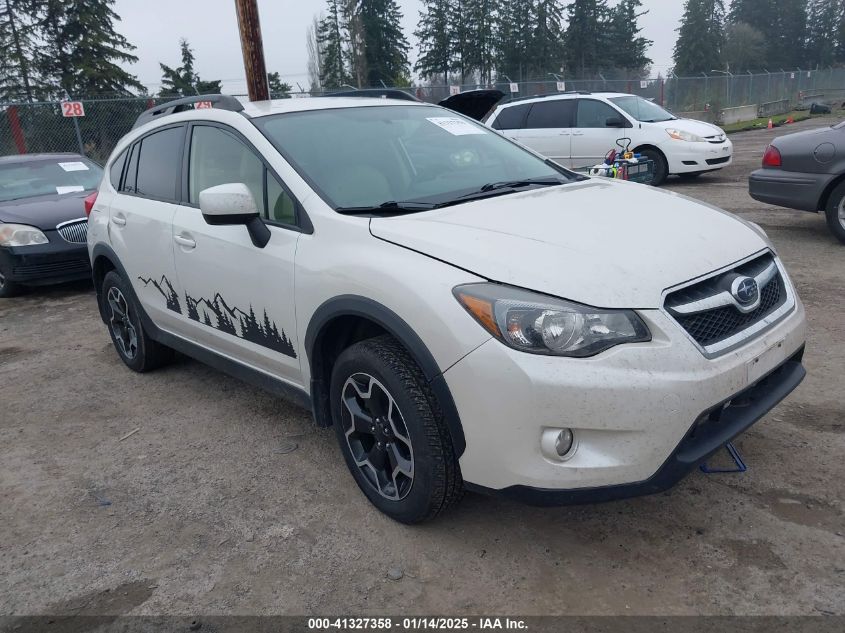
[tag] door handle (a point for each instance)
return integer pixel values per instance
(184, 241)
(577, 134)
(119, 220)
(564, 133)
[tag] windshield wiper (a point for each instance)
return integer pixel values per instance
(388, 207)
(504, 187)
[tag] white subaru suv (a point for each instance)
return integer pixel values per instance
(577, 130)
(463, 312)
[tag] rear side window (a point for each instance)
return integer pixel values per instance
(551, 114)
(511, 118)
(116, 170)
(160, 164)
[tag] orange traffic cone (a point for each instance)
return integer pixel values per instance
(771, 124)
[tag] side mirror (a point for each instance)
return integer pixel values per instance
(614, 121)
(232, 203)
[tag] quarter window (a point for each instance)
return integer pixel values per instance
(558, 113)
(131, 170)
(592, 113)
(160, 164)
(116, 170)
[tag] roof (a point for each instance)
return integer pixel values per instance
(31, 158)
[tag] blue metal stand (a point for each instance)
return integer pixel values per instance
(734, 453)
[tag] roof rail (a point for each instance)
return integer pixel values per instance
(550, 94)
(377, 93)
(221, 102)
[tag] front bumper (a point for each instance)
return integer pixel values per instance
(685, 158)
(794, 190)
(55, 262)
(631, 409)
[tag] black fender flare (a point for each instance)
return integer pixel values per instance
(393, 324)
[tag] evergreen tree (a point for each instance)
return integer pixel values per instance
(17, 51)
(182, 80)
(700, 37)
(547, 50)
(840, 37)
(385, 45)
(514, 38)
(783, 26)
(628, 50)
(480, 51)
(278, 88)
(460, 36)
(436, 52)
(330, 38)
(82, 53)
(587, 42)
(823, 20)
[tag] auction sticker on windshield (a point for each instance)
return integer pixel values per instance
(455, 126)
(74, 166)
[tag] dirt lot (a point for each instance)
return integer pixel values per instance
(203, 510)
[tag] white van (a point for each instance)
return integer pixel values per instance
(578, 129)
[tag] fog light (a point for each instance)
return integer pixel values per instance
(563, 442)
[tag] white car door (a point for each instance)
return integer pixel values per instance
(140, 222)
(239, 298)
(547, 129)
(592, 137)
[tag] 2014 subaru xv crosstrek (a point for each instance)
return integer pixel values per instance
(463, 312)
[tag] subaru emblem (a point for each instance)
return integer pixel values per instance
(745, 290)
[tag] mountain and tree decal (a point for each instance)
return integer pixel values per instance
(217, 313)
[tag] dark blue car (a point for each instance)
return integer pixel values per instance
(43, 226)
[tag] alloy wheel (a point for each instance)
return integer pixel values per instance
(377, 436)
(841, 212)
(121, 326)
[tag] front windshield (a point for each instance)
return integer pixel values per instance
(643, 110)
(56, 176)
(366, 156)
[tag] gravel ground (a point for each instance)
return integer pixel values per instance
(204, 510)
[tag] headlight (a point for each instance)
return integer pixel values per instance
(539, 324)
(680, 135)
(21, 235)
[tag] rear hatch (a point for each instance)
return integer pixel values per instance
(473, 103)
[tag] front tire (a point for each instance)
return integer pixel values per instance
(392, 432)
(835, 212)
(8, 288)
(134, 346)
(661, 168)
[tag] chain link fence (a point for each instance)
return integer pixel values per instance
(40, 127)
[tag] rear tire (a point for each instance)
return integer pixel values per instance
(835, 212)
(122, 314)
(9, 288)
(661, 169)
(396, 444)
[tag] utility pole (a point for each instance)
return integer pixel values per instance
(253, 50)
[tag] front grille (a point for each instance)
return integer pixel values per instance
(54, 267)
(707, 311)
(74, 232)
(718, 161)
(715, 325)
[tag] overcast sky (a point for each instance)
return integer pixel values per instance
(155, 26)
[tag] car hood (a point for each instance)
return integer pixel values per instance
(692, 126)
(45, 212)
(604, 243)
